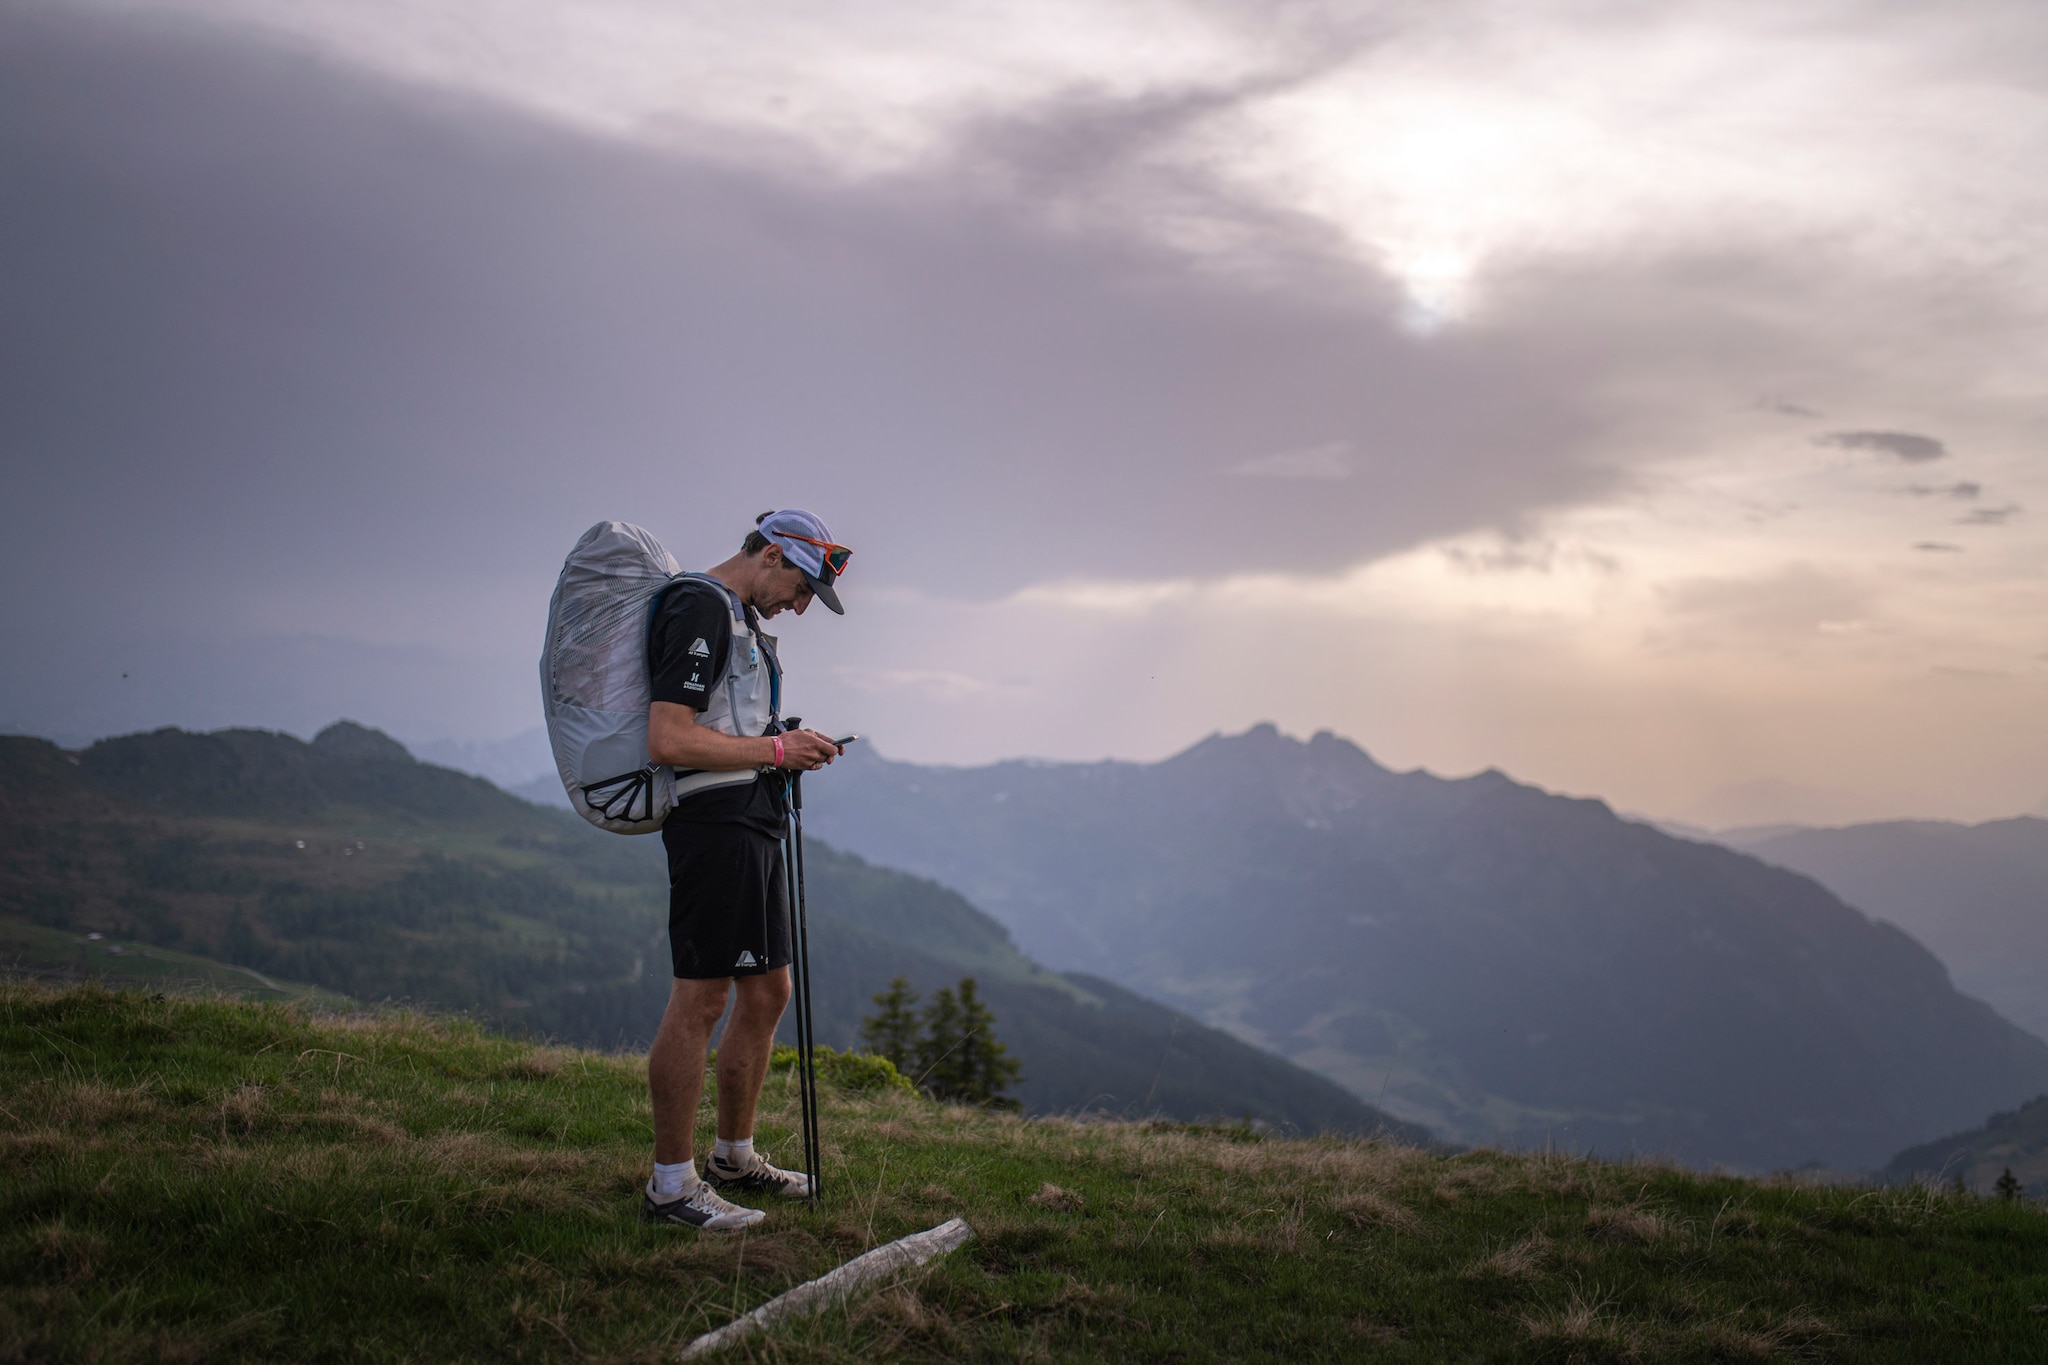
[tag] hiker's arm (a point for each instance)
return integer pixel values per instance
(674, 737)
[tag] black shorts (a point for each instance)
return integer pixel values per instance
(728, 913)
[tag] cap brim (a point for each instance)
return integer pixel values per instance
(825, 593)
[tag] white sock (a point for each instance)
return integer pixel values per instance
(674, 1179)
(734, 1151)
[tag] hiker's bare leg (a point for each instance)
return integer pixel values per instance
(675, 1064)
(744, 1051)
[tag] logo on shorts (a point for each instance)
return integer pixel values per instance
(746, 959)
(700, 649)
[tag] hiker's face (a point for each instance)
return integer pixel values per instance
(783, 586)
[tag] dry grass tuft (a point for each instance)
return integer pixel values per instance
(242, 1107)
(1353, 1165)
(1553, 1173)
(91, 1105)
(358, 1127)
(20, 1151)
(899, 1308)
(1585, 1327)
(788, 1257)
(1371, 1209)
(1632, 1225)
(1737, 1223)
(1521, 1261)
(486, 1154)
(1051, 1196)
(1796, 1334)
(541, 1064)
(1231, 1235)
(69, 1251)
(1480, 1173)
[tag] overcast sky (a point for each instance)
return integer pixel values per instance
(1645, 400)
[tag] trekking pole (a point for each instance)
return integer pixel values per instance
(799, 971)
(803, 1010)
(807, 1021)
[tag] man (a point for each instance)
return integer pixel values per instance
(715, 720)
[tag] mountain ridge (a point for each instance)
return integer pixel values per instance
(1502, 963)
(346, 864)
(1976, 894)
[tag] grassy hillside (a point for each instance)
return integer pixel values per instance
(201, 1179)
(243, 857)
(2015, 1141)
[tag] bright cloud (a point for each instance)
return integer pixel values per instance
(1441, 142)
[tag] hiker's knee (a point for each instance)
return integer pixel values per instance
(698, 1004)
(765, 995)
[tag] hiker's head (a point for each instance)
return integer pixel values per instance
(799, 560)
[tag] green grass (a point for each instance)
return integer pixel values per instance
(212, 1179)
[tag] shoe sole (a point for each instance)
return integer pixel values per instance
(650, 1216)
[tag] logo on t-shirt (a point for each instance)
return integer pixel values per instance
(700, 649)
(696, 683)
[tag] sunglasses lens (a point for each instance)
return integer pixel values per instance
(836, 557)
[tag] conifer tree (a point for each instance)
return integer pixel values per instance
(941, 1059)
(892, 1030)
(2007, 1185)
(987, 1068)
(949, 1049)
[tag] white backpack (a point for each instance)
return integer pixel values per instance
(594, 685)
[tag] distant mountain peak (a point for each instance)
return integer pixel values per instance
(347, 739)
(1267, 740)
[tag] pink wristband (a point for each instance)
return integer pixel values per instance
(778, 751)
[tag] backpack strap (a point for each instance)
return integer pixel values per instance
(728, 676)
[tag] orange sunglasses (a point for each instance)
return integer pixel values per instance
(835, 555)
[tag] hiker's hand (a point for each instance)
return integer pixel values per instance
(807, 750)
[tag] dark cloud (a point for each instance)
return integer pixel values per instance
(296, 350)
(1962, 490)
(1527, 556)
(1938, 547)
(1784, 407)
(243, 282)
(1903, 445)
(1990, 516)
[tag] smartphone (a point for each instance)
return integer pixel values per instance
(842, 743)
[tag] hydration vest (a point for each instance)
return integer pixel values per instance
(744, 699)
(595, 687)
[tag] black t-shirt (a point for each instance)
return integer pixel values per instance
(686, 655)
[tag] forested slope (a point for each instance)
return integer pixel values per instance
(346, 864)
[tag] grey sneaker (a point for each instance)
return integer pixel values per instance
(701, 1208)
(757, 1177)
